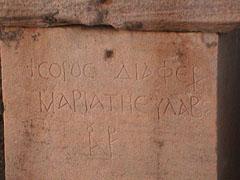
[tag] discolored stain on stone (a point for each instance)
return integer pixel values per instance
(209, 40)
(11, 35)
(35, 36)
(133, 25)
(108, 54)
(105, 2)
(50, 18)
(160, 144)
(100, 16)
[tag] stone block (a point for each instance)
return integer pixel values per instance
(100, 104)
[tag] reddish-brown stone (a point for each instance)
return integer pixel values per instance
(143, 15)
(102, 104)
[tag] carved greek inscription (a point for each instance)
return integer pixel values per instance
(78, 101)
(183, 108)
(126, 103)
(169, 106)
(182, 73)
(140, 103)
(194, 101)
(157, 105)
(147, 71)
(64, 102)
(111, 139)
(87, 103)
(62, 71)
(190, 75)
(76, 96)
(140, 72)
(166, 71)
(96, 102)
(104, 149)
(123, 73)
(111, 98)
(90, 140)
(46, 106)
(190, 107)
(107, 105)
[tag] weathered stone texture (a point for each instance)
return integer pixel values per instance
(102, 104)
(153, 15)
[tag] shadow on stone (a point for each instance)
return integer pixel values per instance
(2, 162)
(229, 107)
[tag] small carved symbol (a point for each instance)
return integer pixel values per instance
(111, 132)
(195, 80)
(165, 72)
(90, 131)
(123, 73)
